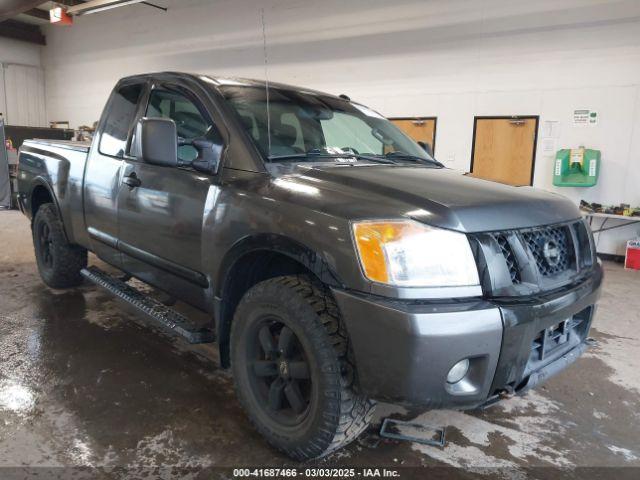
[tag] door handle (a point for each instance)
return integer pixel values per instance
(132, 180)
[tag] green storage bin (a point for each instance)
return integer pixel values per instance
(577, 167)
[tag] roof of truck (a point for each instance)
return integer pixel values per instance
(220, 81)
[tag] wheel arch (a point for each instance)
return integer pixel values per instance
(41, 193)
(255, 259)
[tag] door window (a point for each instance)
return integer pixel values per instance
(190, 122)
(120, 114)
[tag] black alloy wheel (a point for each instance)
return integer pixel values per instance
(59, 262)
(45, 242)
(279, 371)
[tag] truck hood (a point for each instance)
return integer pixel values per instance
(440, 197)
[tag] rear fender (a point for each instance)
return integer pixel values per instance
(40, 182)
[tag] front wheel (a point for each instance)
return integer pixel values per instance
(292, 368)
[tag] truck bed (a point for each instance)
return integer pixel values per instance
(66, 144)
(56, 168)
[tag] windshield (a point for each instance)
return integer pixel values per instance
(305, 125)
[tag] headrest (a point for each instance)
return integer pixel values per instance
(247, 120)
(286, 134)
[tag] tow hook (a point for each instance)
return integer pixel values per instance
(592, 342)
(507, 393)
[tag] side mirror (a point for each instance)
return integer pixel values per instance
(157, 142)
(427, 148)
(209, 155)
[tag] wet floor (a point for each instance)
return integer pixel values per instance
(85, 382)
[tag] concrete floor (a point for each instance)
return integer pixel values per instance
(83, 382)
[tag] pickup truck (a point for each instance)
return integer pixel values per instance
(339, 263)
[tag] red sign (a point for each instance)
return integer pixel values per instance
(60, 17)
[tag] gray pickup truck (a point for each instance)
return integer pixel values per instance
(339, 263)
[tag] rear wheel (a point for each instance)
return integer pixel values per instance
(59, 262)
(292, 368)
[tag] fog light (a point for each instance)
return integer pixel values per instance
(458, 371)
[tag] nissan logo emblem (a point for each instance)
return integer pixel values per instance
(551, 253)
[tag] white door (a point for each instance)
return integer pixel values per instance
(24, 96)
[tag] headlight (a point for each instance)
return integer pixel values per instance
(410, 254)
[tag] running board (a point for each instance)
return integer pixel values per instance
(165, 317)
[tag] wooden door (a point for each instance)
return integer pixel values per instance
(504, 149)
(420, 129)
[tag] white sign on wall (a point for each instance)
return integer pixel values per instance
(584, 117)
(550, 133)
(551, 129)
(549, 147)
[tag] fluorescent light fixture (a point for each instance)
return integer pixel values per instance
(95, 6)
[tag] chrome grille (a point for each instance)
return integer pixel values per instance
(518, 262)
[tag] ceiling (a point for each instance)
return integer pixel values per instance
(22, 19)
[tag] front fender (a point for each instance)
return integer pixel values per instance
(228, 293)
(281, 244)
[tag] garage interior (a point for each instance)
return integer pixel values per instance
(496, 88)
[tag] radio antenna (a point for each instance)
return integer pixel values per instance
(266, 79)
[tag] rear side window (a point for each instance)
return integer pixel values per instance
(120, 114)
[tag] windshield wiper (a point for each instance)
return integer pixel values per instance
(414, 158)
(316, 154)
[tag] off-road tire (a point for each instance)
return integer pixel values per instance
(340, 413)
(64, 261)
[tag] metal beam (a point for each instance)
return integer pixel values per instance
(71, 3)
(37, 13)
(12, 8)
(22, 31)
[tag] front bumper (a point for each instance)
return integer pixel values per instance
(404, 349)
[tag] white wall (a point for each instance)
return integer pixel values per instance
(451, 59)
(13, 51)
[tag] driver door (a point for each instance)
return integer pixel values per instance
(161, 219)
